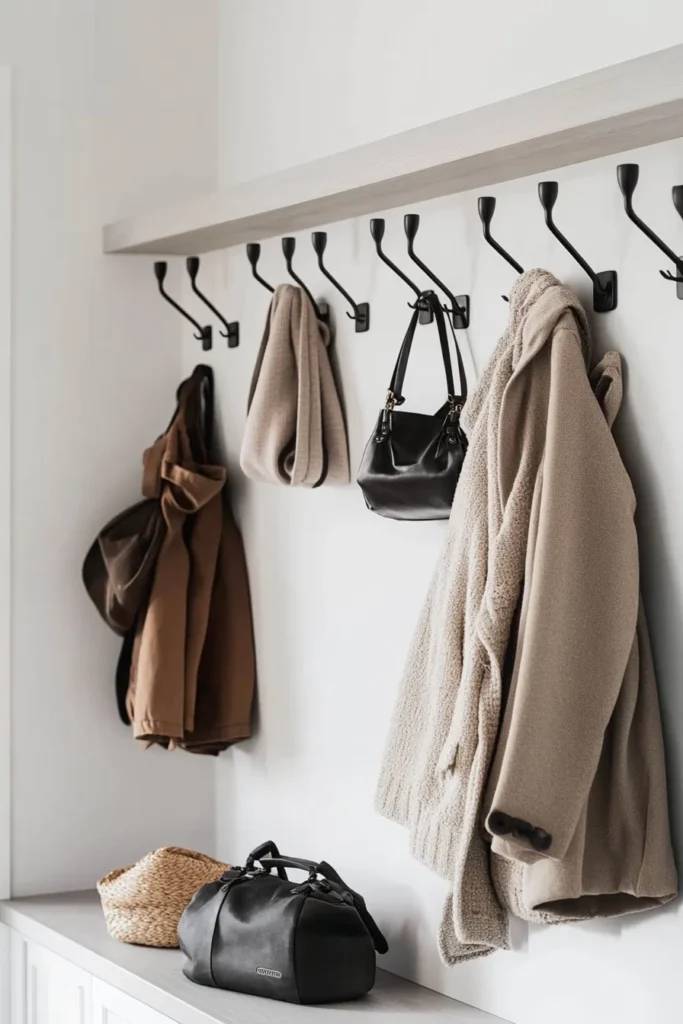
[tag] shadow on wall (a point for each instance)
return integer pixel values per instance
(663, 601)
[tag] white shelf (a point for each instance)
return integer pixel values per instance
(71, 925)
(636, 103)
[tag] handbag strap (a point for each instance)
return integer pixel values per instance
(327, 871)
(394, 395)
(462, 397)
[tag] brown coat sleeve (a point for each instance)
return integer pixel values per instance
(577, 624)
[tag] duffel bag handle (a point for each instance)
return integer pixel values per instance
(280, 862)
(327, 871)
(258, 852)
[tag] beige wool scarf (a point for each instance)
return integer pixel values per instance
(295, 432)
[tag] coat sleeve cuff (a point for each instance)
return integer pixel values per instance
(520, 835)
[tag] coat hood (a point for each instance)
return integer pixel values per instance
(538, 302)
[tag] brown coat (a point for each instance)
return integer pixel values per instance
(192, 671)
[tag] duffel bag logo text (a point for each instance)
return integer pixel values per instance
(266, 972)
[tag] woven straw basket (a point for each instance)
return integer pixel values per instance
(143, 904)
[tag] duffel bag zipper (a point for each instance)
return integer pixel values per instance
(247, 876)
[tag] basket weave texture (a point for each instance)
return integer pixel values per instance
(143, 904)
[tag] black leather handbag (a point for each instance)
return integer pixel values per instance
(412, 462)
(258, 932)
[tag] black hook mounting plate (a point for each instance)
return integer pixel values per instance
(605, 296)
(233, 334)
(461, 321)
(362, 317)
(206, 338)
(425, 316)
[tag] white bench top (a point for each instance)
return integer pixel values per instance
(72, 926)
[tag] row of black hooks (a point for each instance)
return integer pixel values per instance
(459, 308)
(604, 282)
(361, 310)
(205, 333)
(605, 292)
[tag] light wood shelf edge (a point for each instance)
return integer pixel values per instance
(628, 105)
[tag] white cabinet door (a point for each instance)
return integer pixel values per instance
(5, 974)
(111, 1006)
(45, 988)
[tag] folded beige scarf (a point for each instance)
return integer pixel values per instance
(295, 431)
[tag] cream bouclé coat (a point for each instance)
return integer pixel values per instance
(529, 688)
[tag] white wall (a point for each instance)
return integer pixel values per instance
(5, 469)
(306, 78)
(114, 109)
(337, 590)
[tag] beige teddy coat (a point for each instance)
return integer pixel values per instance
(530, 671)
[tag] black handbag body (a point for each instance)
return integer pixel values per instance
(261, 933)
(412, 462)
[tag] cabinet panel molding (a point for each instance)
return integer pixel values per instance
(45, 988)
(112, 1006)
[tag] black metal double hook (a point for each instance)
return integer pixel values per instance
(361, 310)
(487, 207)
(459, 310)
(605, 282)
(205, 333)
(377, 226)
(232, 328)
(288, 249)
(627, 176)
(253, 255)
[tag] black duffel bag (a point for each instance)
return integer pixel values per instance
(258, 932)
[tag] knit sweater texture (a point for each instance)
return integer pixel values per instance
(543, 500)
